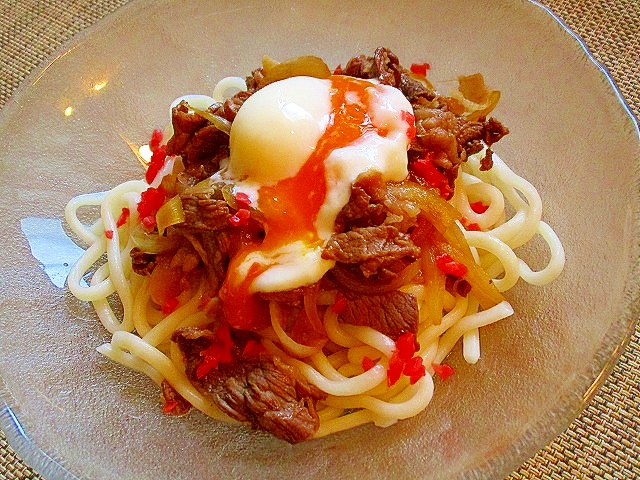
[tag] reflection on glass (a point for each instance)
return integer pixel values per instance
(99, 85)
(51, 247)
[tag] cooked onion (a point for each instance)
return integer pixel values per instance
(171, 213)
(477, 99)
(439, 228)
(308, 66)
(151, 242)
(220, 123)
(434, 282)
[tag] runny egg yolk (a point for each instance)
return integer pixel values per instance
(296, 147)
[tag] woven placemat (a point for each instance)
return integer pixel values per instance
(604, 442)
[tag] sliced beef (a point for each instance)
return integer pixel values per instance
(266, 393)
(414, 89)
(262, 391)
(293, 297)
(142, 262)
(369, 236)
(370, 247)
(392, 313)
(448, 139)
(214, 249)
(204, 212)
(493, 131)
(360, 66)
(365, 206)
(185, 125)
(385, 66)
(229, 109)
(436, 134)
(442, 132)
(207, 147)
(255, 79)
(200, 144)
(217, 248)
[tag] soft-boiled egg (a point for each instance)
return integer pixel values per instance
(296, 147)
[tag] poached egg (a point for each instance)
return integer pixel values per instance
(296, 148)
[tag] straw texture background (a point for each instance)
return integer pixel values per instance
(604, 442)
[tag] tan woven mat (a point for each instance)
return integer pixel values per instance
(604, 442)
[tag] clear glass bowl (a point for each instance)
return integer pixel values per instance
(70, 413)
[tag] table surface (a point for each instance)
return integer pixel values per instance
(604, 442)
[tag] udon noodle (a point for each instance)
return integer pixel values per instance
(352, 367)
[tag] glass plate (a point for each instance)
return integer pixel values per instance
(71, 413)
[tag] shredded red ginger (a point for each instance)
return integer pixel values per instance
(479, 207)
(340, 304)
(220, 351)
(449, 266)
(367, 363)
(240, 218)
(403, 361)
(122, 219)
(443, 370)
(468, 225)
(410, 120)
(150, 202)
(420, 68)
(425, 169)
(156, 139)
(153, 198)
(169, 406)
(243, 199)
(159, 154)
(124, 216)
(170, 305)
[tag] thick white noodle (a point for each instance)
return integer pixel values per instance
(556, 263)
(522, 196)
(86, 233)
(351, 386)
(228, 87)
(471, 338)
(323, 365)
(354, 396)
(410, 402)
(163, 330)
(508, 259)
(336, 333)
(476, 320)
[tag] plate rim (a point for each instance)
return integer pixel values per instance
(53, 468)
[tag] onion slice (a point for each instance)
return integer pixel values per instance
(307, 65)
(220, 123)
(171, 213)
(438, 227)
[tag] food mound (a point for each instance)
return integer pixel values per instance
(304, 253)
